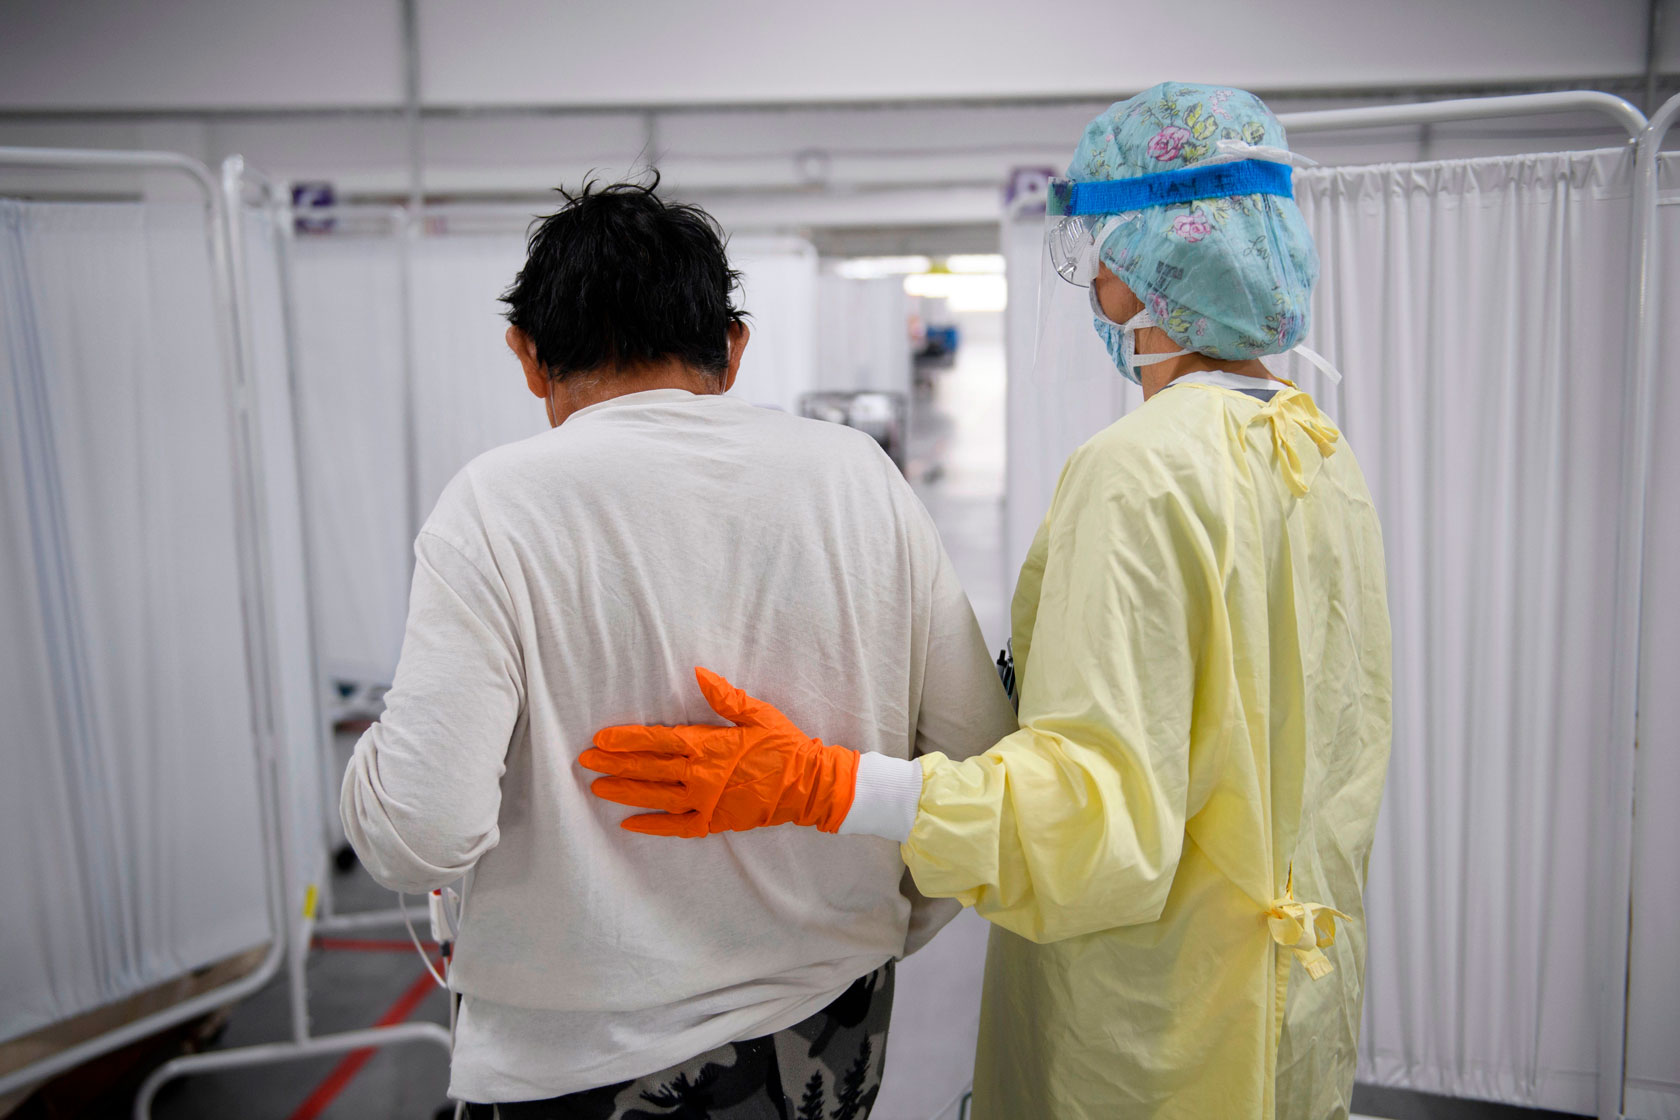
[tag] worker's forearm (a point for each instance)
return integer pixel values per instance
(1045, 837)
(888, 790)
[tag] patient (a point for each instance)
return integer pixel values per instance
(572, 581)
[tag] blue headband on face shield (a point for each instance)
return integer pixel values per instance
(1221, 180)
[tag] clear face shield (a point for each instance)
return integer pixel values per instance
(1074, 389)
(1075, 342)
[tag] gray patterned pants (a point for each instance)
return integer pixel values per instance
(827, 1067)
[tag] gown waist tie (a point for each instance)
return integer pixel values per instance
(1304, 928)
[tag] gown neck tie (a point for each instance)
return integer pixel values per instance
(1291, 410)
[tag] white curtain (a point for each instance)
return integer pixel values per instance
(346, 294)
(131, 850)
(470, 395)
(779, 289)
(863, 334)
(1477, 310)
(1653, 1058)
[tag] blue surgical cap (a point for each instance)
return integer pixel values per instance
(1228, 277)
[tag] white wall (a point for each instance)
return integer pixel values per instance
(766, 50)
(779, 291)
(214, 54)
(863, 334)
(79, 54)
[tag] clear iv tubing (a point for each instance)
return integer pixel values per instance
(414, 936)
(402, 904)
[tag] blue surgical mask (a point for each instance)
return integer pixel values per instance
(1114, 337)
(1121, 340)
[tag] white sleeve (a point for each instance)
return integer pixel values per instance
(423, 789)
(884, 803)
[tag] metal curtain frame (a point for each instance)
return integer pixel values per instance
(1643, 352)
(1608, 105)
(236, 177)
(254, 620)
(1646, 138)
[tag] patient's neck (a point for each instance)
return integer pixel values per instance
(580, 390)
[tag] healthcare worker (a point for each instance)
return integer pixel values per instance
(1172, 847)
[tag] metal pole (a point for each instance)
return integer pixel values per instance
(1473, 108)
(651, 155)
(275, 1052)
(297, 942)
(277, 201)
(253, 617)
(1653, 50)
(406, 232)
(1636, 468)
(410, 227)
(411, 103)
(360, 919)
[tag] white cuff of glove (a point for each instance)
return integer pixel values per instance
(888, 791)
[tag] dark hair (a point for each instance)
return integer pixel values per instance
(620, 276)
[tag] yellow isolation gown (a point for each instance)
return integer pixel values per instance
(1201, 634)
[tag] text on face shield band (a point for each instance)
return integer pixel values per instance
(1223, 180)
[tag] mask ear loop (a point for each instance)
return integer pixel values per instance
(1131, 326)
(1137, 323)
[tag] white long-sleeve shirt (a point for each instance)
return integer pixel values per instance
(573, 581)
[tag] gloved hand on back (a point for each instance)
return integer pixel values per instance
(704, 778)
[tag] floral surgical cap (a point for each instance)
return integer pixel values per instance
(1228, 277)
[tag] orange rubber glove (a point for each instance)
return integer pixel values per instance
(763, 771)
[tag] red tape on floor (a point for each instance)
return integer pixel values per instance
(345, 1072)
